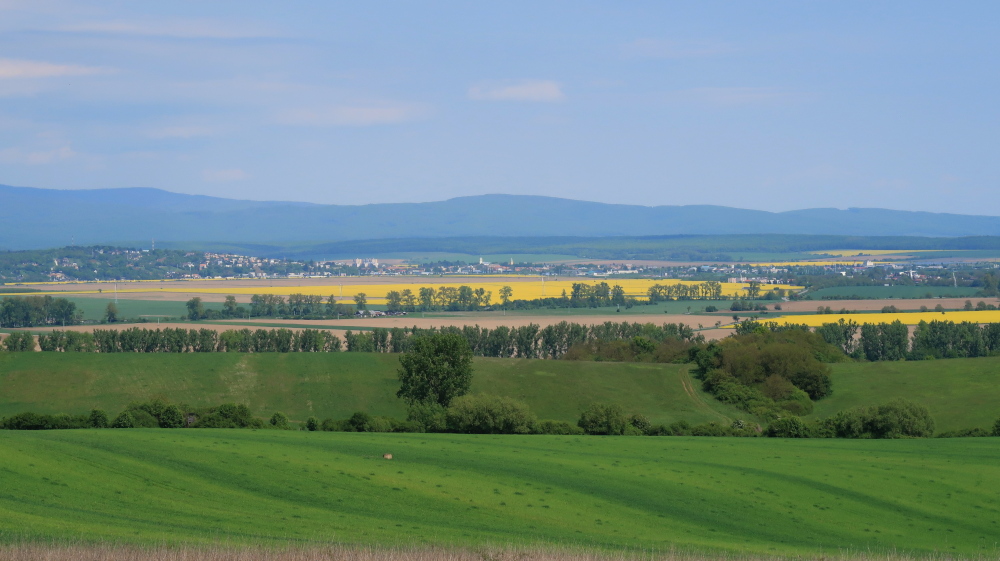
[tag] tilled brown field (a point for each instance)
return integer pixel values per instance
(491, 322)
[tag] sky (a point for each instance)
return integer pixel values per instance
(765, 105)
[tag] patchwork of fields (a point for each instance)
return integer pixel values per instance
(765, 496)
(524, 288)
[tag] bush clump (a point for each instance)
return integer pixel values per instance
(605, 419)
(898, 418)
(229, 416)
(788, 427)
(557, 428)
(489, 414)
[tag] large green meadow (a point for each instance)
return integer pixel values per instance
(960, 393)
(337, 384)
(767, 496)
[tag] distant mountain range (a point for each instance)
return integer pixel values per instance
(37, 218)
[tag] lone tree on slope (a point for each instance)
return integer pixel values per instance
(436, 369)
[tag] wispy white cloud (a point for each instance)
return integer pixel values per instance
(360, 115)
(658, 48)
(224, 175)
(729, 96)
(528, 90)
(177, 29)
(14, 69)
(19, 156)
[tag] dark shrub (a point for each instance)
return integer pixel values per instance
(898, 418)
(98, 419)
(488, 414)
(788, 427)
(360, 422)
(331, 425)
(381, 424)
(964, 433)
(141, 419)
(640, 422)
(171, 417)
(432, 417)
(124, 420)
(557, 427)
(603, 419)
(229, 416)
(279, 420)
(312, 424)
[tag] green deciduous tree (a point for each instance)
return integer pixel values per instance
(124, 420)
(19, 342)
(505, 294)
(279, 420)
(98, 419)
(436, 369)
(196, 310)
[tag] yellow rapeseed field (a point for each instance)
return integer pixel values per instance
(521, 290)
(913, 318)
(376, 293)
(855, 252)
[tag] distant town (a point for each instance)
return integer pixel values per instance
(108, 263)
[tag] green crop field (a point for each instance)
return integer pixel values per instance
(879, 292)
(671, 307)
(960, 392)
(766, 496)
(337, 384)
(94, 308)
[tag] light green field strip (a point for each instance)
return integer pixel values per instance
(765, 496)
(960, 393)
(336, 384)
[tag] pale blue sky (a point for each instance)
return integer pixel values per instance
(769, 105)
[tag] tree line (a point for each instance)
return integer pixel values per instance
(529, 341)
(460, 299)
(33, 311)
(893, 341)
(179, 340)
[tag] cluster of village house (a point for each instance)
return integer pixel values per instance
(263, 267)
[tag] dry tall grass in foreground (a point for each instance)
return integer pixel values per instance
(43, 552)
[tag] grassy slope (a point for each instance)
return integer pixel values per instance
(960, 393)
(335, 385)
(767, 496)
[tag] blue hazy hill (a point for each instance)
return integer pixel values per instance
(35, 218)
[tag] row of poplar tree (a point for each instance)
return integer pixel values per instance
(529, 341)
